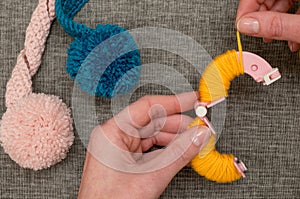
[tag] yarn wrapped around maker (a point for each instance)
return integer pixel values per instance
(214, 84)
(103, 61)
(36, 130)
(213, 88)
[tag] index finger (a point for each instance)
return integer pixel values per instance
(137, 113)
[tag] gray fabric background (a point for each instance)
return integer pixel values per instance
(262, 123)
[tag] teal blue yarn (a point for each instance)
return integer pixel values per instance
(102, 70)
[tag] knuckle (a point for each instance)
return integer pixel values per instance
(131, 131)
(145, 98)
(158, 124)
(179, 153)
(176, 104)
(157, 111)
(276, 29)
(185, 157)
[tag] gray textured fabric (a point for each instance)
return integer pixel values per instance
(261, 125)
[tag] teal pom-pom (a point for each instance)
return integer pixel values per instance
(105, 61)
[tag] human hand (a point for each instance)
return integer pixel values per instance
(269, 19)
(116, 165)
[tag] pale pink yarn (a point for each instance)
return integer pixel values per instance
(36, 130)
(30, 57)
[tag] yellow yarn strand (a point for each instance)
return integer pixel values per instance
(214, 84)
(240, 48)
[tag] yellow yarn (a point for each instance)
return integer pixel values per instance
(216, 167)
(214, 84)
(240, 48)
(215, 81)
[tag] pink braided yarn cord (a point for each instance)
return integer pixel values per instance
(29, 59)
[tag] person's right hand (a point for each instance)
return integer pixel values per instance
(269, 19)
(118, 163)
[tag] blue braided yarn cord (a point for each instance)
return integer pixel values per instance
(104, 61)
(65, 12)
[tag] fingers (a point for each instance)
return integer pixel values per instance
(167, 161)
(173, 124)
(142, 111)
(151, 155)
(183, 150)
(293, 45)
(271, 25)
(162, 131)
(246, 6)
(160, 139)
(277, 6)
(282, 6)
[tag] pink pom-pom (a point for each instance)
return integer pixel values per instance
(37, 131)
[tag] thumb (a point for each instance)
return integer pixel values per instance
(184, 148)
(273, 25)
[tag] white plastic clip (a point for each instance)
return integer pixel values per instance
(268, 77)
(201, 111)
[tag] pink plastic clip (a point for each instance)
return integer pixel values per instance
(240, 166)
(259, 69)
(201, 111)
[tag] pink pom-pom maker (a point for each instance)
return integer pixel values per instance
(261, 71)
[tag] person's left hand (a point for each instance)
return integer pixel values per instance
(116, 164)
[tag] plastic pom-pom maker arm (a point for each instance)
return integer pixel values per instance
(255, 66)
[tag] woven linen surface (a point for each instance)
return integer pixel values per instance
(262, 122)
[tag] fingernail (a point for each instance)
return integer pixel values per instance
(291, 46)
(267, 40)
(200, 138)
(248, 25)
